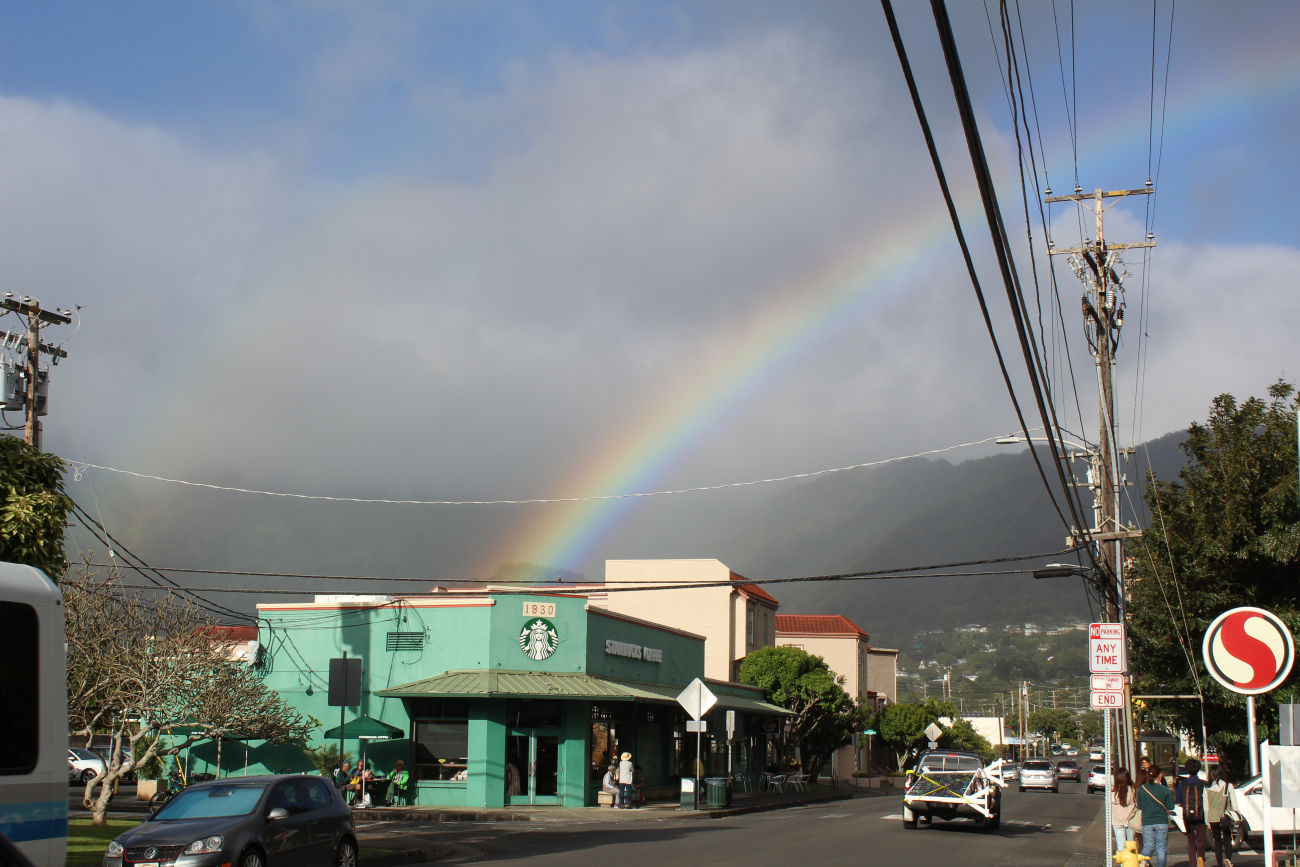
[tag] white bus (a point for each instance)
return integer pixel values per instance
(33, 726)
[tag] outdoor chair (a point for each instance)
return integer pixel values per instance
(776, 783)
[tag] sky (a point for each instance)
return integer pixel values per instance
(506, 250)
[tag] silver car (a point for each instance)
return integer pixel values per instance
(245, 822)
(1038, 774)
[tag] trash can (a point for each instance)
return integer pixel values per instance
(688, 794)
(717, 792)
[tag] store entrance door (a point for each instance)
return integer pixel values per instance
(534, 770)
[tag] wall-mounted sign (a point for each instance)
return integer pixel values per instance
(539, 609)
(633, 651)
(538, 639)
(1248, 650)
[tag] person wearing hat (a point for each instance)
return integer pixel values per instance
(626, 775)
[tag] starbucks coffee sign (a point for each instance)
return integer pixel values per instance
(633, 651)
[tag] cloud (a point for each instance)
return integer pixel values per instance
(630, 224)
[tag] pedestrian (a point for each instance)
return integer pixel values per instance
(398, 781)
(1218, 797)
(1190, 794)
(1156, 802)
(626, 775)
(1123, 803)
(344, 776)
(1154, 773)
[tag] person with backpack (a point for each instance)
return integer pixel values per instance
(1218, 796)
(1190, 795)
(1155, 802)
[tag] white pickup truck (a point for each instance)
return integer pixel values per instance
(947, 784)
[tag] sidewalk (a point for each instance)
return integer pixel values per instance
(411, 849)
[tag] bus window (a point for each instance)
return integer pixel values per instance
(20, 685)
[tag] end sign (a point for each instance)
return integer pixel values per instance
(1106, 648)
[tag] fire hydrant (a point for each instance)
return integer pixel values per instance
(1129, 857)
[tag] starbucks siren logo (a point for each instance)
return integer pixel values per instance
(538, 639)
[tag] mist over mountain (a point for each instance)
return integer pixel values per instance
(914, 513)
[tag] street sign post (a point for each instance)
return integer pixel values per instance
(697, 699)
(1250, 651)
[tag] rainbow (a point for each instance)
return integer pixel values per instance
(648, 446)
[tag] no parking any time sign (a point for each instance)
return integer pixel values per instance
(1106, 648)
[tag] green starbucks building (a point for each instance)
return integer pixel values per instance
(505, 698)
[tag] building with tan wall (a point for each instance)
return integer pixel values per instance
(870, 676)
(703, 597)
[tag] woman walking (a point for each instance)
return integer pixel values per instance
(1123, 804)
(1218, 797)
(1156, 803)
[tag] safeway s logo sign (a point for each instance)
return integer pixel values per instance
(1248, 650)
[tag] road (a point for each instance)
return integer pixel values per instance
(1038, 828)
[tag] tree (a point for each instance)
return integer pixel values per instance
(825, 716)
(140, 665)
(1225, 534)
(1051, 722)
(902, 725)
(33, 507)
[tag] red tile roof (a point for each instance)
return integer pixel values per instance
(230, 633)
(753, 590)
(818, 624)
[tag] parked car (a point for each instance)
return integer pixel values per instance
(1097, 779)
(1038, 774)
(1246, 809)
(245, 821)
(1068, 769)
(83, 765)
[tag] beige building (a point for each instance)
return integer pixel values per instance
(870, 675)
(699, 596)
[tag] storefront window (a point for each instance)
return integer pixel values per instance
(441, 749)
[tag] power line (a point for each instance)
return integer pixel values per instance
(79, 467)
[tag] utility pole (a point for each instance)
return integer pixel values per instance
(1094, 264)
(31, 308)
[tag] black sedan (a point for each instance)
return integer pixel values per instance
(246, 822)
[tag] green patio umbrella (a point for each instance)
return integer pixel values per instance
(363, 728)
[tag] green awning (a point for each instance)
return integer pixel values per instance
(490, 683)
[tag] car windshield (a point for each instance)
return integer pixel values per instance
(86, 755)
(1036, 766)
(1067, 765)
(212, 802)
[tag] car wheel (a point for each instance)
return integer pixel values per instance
(1240, 834)
(252, 858)
(1022, 788)
(87, 775)
(1055, 789)
(909, 819)
(347, 854)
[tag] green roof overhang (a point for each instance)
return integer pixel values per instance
(491, 683)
